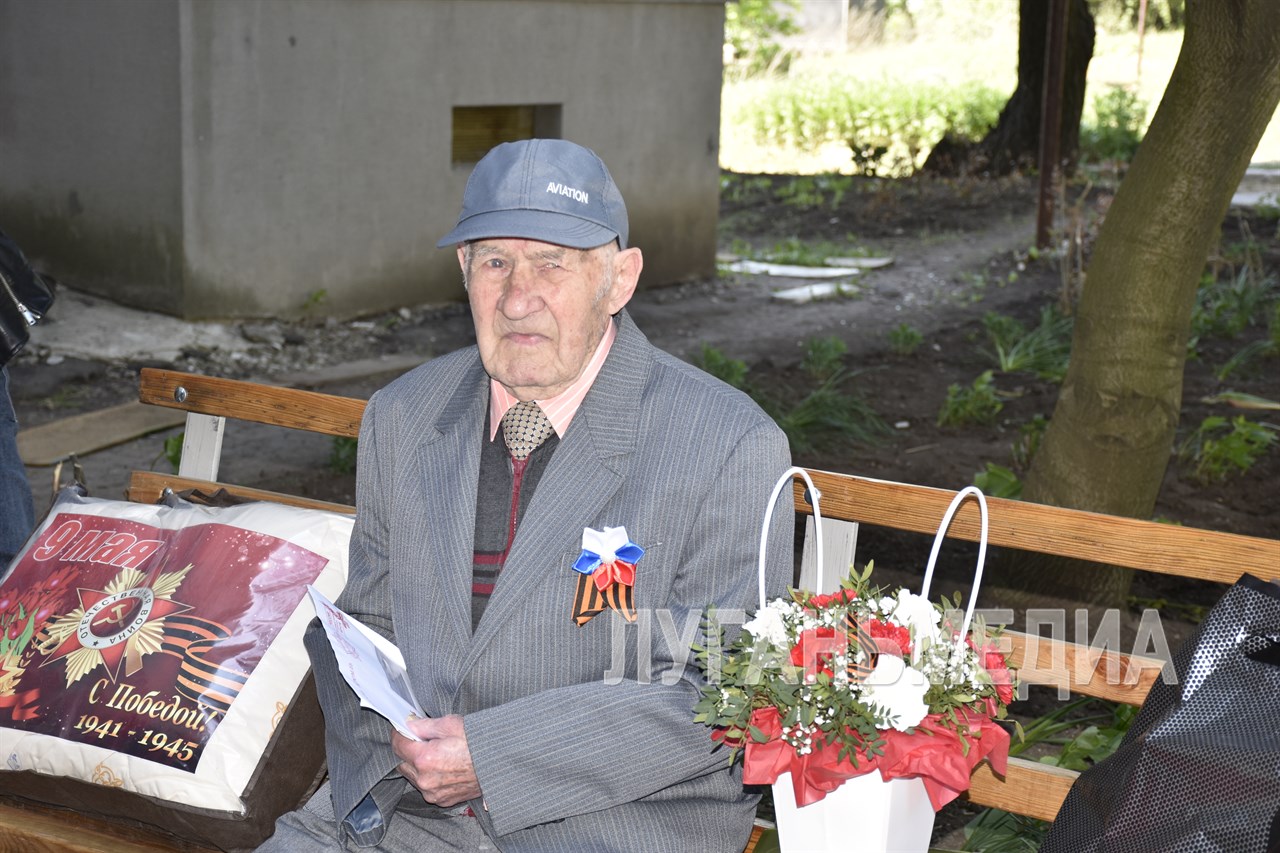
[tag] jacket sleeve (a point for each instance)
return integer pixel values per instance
(357, 740)
(587, 747)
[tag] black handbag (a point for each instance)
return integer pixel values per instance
(25, 297)
(1199, 769)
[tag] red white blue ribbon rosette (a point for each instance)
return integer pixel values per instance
(607, 573)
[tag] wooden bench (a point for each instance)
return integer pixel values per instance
(1029, 788)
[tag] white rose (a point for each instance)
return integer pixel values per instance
(898, 690)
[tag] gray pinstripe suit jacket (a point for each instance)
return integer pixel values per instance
(567, 759)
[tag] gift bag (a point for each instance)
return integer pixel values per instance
(1199, 770)
(890, 807)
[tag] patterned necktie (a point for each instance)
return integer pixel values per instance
(524, 427)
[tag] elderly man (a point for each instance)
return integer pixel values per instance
(541, 520)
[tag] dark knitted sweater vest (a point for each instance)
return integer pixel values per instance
(505, 489)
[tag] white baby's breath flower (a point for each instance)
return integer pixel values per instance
(898, 690)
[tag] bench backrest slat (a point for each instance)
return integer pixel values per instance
(1127, 542)
(1100, 673)
(251, 401)
(149, 486)
(1030, 788)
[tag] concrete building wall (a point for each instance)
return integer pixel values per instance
(295, 155)
(90, 142)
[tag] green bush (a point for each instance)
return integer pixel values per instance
(173, 450)
(1116, 127)
(1028, 441)
(977, 404)
(751, 30)
(998, 481)
(824, 190)
(889, 126)
(1219, 448)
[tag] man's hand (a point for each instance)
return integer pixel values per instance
(440, 764)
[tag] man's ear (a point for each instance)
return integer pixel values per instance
(627, 265)
(462, 259)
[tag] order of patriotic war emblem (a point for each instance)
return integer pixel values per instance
(115, 618)
(137, 638)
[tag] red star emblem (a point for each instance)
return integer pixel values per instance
(109, 622)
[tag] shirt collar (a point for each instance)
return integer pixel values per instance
(561, 408)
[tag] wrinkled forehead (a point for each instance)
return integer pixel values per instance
(534, 250)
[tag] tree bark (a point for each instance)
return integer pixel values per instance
(1014, 143)
(1112, 432)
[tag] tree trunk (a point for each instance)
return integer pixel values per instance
(1109, 442)
(1014, 143)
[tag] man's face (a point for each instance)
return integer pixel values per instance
(541, 309)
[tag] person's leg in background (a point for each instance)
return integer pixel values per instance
(17, 511)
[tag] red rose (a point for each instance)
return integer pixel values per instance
(994, 662)
(816, 648)
(840, 596)
(890, 639)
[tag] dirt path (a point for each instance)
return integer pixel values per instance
(923, 288)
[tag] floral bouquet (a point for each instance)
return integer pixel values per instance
(830, 687)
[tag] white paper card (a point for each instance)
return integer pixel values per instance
(370, 663)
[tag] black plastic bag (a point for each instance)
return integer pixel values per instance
(25, 297)
(1199, 769)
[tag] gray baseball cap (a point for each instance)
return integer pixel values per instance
(551, 190)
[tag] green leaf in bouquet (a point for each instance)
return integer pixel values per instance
(758, 735)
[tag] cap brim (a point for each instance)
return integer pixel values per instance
(545, 226)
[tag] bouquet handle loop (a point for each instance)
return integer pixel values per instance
(814, 496)
(966, 492)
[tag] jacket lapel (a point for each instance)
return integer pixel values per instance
(448, 468)
(585, 472)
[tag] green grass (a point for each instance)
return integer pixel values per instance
(820, 415)
(731, 371)
(1227, 305)
(887, 129)
(905, 339)
(342, 455)
(1044, 350)
(1080, 743)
